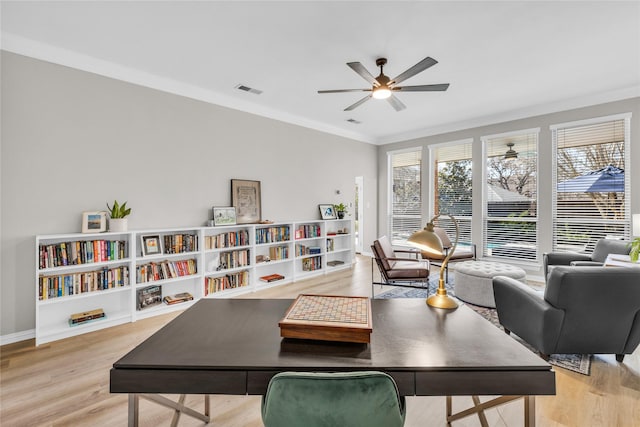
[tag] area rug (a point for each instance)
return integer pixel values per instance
(580, 363)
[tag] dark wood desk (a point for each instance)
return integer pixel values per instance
(233, 346)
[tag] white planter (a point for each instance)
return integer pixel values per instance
(118, 224)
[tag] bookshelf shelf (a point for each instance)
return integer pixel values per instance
(205, 247)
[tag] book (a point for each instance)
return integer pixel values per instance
(149, 296)
(79, 318)
(334, 263)
(272, 277)
(178, 298)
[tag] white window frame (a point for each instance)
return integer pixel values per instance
(484, 199)
(390, 155)
(627, 169)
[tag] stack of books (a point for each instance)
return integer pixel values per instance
(87, 316)
(178, 298)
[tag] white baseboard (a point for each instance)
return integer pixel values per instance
(17, 336)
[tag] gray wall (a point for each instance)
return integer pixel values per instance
(72, 140)
(545, 158)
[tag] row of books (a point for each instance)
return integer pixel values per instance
(81, 252)
(229, 281)
(54, 286)
(311, 264)
(278, 252)
(307, 250)
(308, 231)
(165, 270)
(234, 259)
(180, 243)
(227, 240)
(272, 234)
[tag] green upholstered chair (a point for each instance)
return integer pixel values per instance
(345, 399)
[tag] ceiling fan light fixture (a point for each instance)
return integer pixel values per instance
(381, 92)
(511, 153)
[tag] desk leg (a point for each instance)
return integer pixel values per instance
(134, 401)
(479, 408)
(529, 411)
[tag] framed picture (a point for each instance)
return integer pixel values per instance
(94, 222)
(151, 245)
(245, 197)
(327, 212)
(224, 216)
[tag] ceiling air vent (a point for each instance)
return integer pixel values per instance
(354, 121)
(248, 89)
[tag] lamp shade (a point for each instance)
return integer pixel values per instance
(426, 240)
(636, 225)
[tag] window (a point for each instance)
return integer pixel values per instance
(510, 196)
(405, 193)
(452, 186)
(590, 186)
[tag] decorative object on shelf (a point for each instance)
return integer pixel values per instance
(341, 210)
(94, 222)
(224, 216)
(246, 198)
(149, 296)
(151, 245)
(327, 211)
(427, 240)
(118, 221)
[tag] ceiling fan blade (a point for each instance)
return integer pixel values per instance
(423, 88)
(357, 104)
(344, 90)
(396, 103)
(420, 66)
(359, 68)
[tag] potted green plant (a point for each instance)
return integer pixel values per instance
(635, 249)
(340, 209)
(118, 220)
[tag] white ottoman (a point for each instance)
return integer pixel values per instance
(473, 280)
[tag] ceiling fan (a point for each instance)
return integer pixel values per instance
(383, 86)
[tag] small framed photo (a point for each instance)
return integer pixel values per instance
(94, 222)
(327, 212)
(224, 216)
(151, 245)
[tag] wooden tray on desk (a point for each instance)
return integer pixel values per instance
(328, 318)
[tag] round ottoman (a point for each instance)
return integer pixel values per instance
(473, 280)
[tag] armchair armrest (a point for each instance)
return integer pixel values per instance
(526, 313)
(562, 258)
(585, 264)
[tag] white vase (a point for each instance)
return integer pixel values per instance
(118, 224)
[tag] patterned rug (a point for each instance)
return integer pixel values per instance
(580, 363)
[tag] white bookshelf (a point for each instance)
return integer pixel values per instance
(265, 249)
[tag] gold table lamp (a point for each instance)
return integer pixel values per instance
(427, 240)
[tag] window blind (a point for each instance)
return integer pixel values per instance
(406, 201)
(510, 197)
(452, 188)
(590, 187)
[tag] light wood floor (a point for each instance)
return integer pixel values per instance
(66, 383)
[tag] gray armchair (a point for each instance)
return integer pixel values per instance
(585, 310)
(603, 248)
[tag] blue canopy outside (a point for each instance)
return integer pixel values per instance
(609, 179)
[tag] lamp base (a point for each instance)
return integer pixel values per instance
(442, 301)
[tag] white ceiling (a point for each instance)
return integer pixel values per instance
(504, 60)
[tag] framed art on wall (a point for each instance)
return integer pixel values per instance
(246, 198)
(151, 245)
(224, 216)
(327, 211)
(94, 222)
